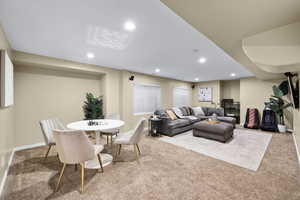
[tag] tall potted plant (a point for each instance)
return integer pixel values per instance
(278, 105)
(93, 107)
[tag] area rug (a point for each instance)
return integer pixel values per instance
(246, 149)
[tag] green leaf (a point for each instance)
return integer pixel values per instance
(277, 92)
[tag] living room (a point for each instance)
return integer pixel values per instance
(52, 82)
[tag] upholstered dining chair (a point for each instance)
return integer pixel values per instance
(47, 127)
(113, 132)
(74, 147)
(132, 137)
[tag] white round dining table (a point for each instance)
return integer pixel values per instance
(98, 126)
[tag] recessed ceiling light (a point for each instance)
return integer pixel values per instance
(157, 70)
(90, 55)
(233, 74)
(196, 79)
(202, 60)
(129, 26)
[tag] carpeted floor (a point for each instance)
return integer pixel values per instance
(166, 172)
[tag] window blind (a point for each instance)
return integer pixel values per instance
(181, 97)
(146, 98)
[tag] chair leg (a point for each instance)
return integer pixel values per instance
(47, 153)
(138, 148)
(60, 176)
(100, 162)
(111, 141)
(107, 141)
(136, 153)
(82, 176)
(119, 150)
(76, 168)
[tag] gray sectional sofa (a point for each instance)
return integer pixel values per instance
(185, 123)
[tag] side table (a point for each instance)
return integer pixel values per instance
(153, 124)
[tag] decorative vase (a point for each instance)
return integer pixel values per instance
(281, 128)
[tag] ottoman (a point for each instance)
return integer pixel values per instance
(221, 131)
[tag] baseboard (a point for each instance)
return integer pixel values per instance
(19, 148)
(30, 146)
(6, 172)
(297, 150)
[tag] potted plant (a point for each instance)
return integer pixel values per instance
(278, 105)
(93, 107)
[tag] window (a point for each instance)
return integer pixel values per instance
(181, 97)
(146, 98)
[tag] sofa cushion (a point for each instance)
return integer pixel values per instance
(187, 109)
(178, 123)
(171, 114)
(192, 119)
(183, 110)
(161, 113)
(198, 111)
(217, 111)
(202, 117)
(177, 112)
(191, 111)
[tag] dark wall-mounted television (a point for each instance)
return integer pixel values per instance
(293, 81)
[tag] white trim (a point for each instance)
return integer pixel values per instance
(143, 113)
(148, 84)
(297, 150)
(19, 148)
(30, 146)
(6, 172)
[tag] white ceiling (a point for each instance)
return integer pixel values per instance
(69, 29)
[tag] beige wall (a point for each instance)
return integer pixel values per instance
(46, 94)
(6, 122)
(166, 85)
(110, 83)
(297, 128)
(253, 94)
(230, 90)
(215, 85)
(41, 75)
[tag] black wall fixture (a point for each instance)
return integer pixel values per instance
(193, 86)
(131, 78)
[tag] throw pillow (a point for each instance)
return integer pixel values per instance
(171, 114)
(191, 111)
(184, 113)
(178, 112)
(188, 112)
(198, 111)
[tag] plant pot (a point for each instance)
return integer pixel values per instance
(281, 128)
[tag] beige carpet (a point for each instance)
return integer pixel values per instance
(166, 172)
(246, 148)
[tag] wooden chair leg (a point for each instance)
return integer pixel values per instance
(136, 153)
(111, 141)
(119, 150)
(138, 148)
(100, 162)
(82, 176)
(47, 153)
(60, 176)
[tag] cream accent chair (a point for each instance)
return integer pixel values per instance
(74, 147)
(47, 127)
(132, 137)
(110, 133)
